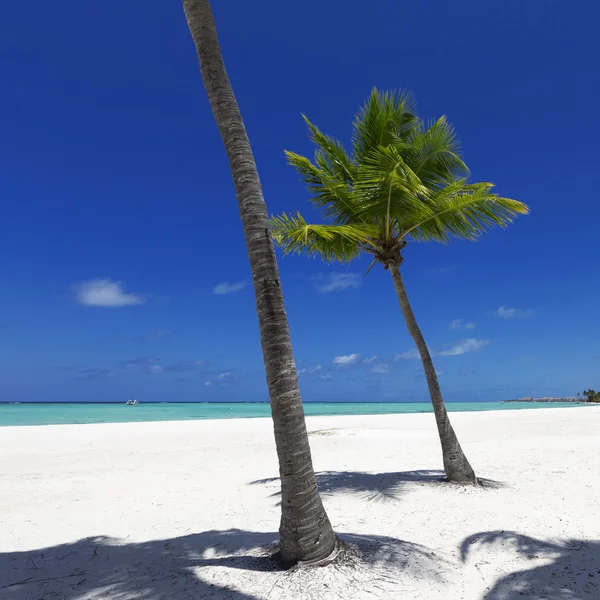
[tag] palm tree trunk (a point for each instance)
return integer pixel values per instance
(305, 531)
(456, 465)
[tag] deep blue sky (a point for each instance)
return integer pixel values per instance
(112, 169)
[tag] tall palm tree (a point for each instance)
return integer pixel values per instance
(403, 181)
(305, 531)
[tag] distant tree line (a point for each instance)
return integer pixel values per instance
(591, 395)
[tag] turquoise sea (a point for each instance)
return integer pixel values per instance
(55, 414)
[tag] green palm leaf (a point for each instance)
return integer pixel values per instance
(466, 214)
(386, 118)
(435, 153)
(340, 243)
(330, 193)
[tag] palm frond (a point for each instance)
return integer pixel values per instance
(386, 118)
(386, 187)
(330, 193)
(435, 153)
(332, 243)
(465, 214)
(330, 154)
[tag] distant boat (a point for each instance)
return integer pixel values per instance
(132, 402)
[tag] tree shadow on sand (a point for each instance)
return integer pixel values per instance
(572, 573)
(375, 486)
(218, 564)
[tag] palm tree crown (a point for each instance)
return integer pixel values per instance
(403, 180)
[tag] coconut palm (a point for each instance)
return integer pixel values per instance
(403, 181)
(305, 531)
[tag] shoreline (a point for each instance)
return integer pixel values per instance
(244, 418)
(346, 420)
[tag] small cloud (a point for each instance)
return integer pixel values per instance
(369, 359)
(381, 369)
(343, 361)
(104, 292)
(162, 333)
(460, 324)
(309, 370)
(207, 383)
(326, 377)
(186, 365)
(469, 345)
(91, 373)
(441, 270)
(224, 376)
(155, 369)
(222, 289)
(514, 313)
(144, 361)
(408, 355)
(338, 281)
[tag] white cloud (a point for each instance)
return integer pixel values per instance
(514, 313)
(222, 289)
(460, 324)
(408, 355)
(155, 369)
(309, 370)
(207, 383)
(469, 345)
(223, 376)
(369, 359)
(346, 360)
(339, 281)
(104, 292)
(382, 369)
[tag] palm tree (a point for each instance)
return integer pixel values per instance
(305, 531)
(403, 181)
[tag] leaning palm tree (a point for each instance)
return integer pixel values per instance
(403, 181)
(305, 531)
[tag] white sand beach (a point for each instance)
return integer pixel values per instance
(173, 510)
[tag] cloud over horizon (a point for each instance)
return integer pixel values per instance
(337, 281)
(460, 324)
(464, 346)
(344, 361)
(225, 288)
(411, 354)
(514, 313)
(104, 292)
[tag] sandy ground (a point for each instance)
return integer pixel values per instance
(189, 509)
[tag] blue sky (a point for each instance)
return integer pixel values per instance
(124, 270)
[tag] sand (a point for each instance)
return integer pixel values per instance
(184, 510)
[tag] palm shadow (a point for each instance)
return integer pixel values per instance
(183, 567)
(375, 486)
(571, 573)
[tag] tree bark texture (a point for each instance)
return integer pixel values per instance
(456, 465)
(305, 531)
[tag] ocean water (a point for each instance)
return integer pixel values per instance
(56, 414)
